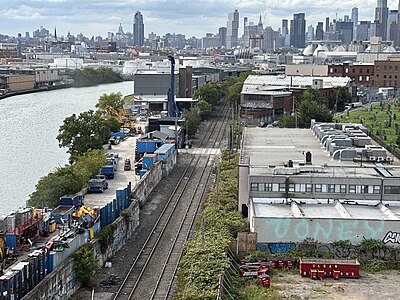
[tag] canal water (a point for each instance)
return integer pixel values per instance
(28, 128)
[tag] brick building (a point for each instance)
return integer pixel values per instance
(386, 73)
(361, 74)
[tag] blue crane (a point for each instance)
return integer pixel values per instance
(172, 111)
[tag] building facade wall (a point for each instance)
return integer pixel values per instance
(275, 230)
(362, 75)
(386, 73)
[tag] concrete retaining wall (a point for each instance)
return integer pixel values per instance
(148, 182)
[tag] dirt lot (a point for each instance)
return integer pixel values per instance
(382, 286)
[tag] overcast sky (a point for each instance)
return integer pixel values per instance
(192, 18)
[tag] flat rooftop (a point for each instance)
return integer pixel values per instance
(266, 148)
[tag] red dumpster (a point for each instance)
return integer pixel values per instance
(313, 274)
(336, 274)
(321, 274)
(265, 280)
(290, 264)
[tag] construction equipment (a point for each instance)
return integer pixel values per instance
(171, 94)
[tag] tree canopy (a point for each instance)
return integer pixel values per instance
(66, 180)
(210, 92)
(91, 76)
(85, 132)
(110, 102)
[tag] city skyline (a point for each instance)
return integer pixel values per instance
(192, 18)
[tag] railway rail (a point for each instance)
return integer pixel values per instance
(151, 274)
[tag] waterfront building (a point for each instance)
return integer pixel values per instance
(138, 29)
(232, 29)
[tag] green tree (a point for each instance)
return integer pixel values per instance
(87, 264)
(90, 162)
(49, 189)
(312, 95)
(341, 96)
(287, 121)
(91, 76)
(309, 110)
(210, 92)
(85, 132)
(204, 108)
(192, 119)
(111, 101)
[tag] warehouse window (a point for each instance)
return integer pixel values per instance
(331, 188)
(352, 188)
(377, 189)
(343, 188)
(268, 187)
(318, 188)
(282, 187)
(292, 187)
(254, 187)
(308, 187)
(391, 189)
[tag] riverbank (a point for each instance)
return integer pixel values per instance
(30, 91)
(29, 126)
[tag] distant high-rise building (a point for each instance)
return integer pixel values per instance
(285, 27)
(363, 30)
(232, 29)
(327, 24)
(354, 19)
(381, 19)
(344, 31)
(222, 36)
(138, 29)
(310, 33)
(298, 31)
(246, 35)
(392, 20)
(319, 31)
(346, 18)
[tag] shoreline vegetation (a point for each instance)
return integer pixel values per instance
(85, 77)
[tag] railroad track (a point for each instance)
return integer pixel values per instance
(151, 274)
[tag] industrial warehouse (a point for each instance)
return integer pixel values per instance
(326, 184)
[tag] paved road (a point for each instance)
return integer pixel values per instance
(126, 149)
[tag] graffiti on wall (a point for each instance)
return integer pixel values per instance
(323, 230)
(280, 247)
(392, 237)
(341, 252)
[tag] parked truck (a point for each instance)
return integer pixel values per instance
(97, 184)
(108, 171)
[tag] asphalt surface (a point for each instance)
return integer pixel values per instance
(126, 150)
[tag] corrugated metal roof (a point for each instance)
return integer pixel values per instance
(294, 81)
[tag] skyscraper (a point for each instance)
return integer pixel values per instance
(298, 31)
(232, 29)
(381, 18)
(319, 31)
(354, 19)
(138, 29)
(222, 36)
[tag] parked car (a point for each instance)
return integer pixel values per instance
(127, 165)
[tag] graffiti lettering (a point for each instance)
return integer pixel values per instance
(392, 237)
(342, 252)
(281, 247)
